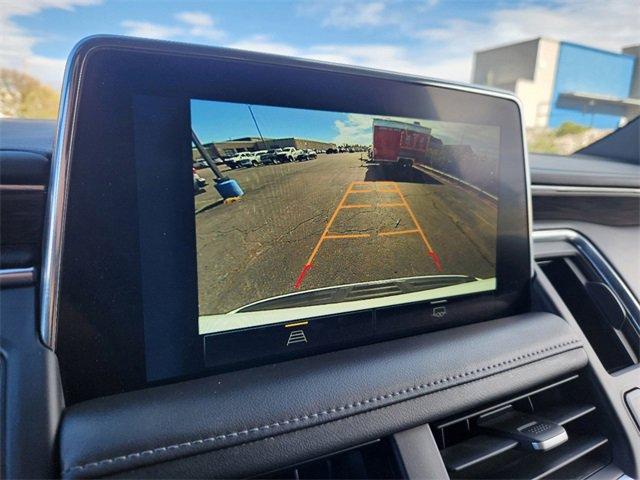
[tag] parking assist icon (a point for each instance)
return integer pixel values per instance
(296, 336)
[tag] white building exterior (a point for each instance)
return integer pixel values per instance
(528, 69)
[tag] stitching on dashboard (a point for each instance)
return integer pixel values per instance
(312, 416)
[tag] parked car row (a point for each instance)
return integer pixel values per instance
(347, 149)
(201, 163)
(262, 157)
(270, 157)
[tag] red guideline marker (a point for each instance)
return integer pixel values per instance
(304, 271)
(436, 259)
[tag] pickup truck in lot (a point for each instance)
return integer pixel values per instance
(288, 154)
(243, 160)
(307, 154)
(270, 157)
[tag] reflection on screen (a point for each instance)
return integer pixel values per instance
(303, 213)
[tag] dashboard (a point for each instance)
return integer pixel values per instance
(234, 264)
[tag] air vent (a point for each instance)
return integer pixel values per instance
(602, 317)
(547, 433)
(373, 460)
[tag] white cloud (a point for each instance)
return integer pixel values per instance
(30, 7)
(197, 19)
(192, 26)
(349, 14)
(356, 129)
(356, 14)
(150, 30)
(18, 44)
(201, 25)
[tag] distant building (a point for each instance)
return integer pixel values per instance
(634, 51)
(561, 82)
(252, 144)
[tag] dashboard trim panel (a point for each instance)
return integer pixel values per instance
(17, 277)
(572, 190)
(599, 263)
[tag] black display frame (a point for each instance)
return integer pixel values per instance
(99, 305)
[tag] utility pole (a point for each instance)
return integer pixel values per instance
(264, 145)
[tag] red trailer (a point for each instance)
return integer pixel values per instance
(399, 143)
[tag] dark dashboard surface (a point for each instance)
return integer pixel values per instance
(583, 170)
(27, 135)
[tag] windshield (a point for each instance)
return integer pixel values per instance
(574, 64)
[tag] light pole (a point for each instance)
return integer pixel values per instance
(264, 145)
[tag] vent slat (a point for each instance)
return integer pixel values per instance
(563, 414)
(538, 465)
(475, 450)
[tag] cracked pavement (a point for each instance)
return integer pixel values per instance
(255, 248)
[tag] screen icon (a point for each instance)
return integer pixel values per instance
(296, 336)
(439, 311)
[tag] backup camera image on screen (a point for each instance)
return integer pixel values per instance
(302, 213)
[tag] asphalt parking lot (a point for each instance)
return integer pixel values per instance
(333, 221)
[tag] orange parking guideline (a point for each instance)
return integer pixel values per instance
(388, 187)
(397, 232)
(307, 265)
(346, 235)
(415, 221)
(430, 251)
(329, 223)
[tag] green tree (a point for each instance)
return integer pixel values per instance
(23, 96)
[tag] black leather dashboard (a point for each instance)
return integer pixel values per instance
(242, 423)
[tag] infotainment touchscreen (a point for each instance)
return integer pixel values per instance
(225, 210)
(313, 213)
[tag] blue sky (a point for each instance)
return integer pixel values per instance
(428, 37)
(217, 121)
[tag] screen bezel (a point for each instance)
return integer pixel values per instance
(108, 71)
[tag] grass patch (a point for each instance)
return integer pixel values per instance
(569, 128)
